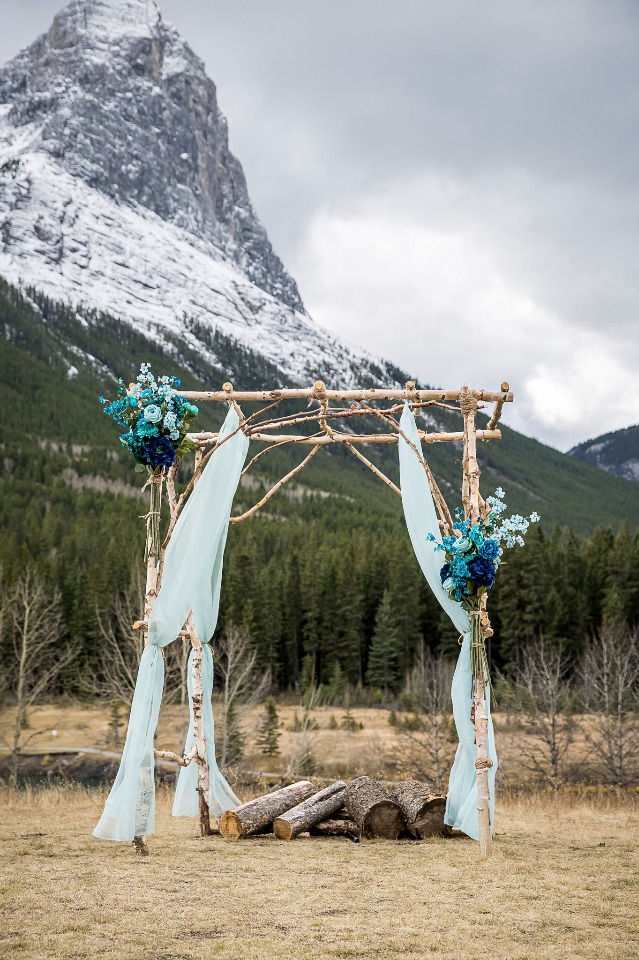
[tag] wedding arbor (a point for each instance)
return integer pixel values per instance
(184, 573)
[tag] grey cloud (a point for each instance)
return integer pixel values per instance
(528, 110)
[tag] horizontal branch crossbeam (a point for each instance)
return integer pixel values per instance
(312, 393)
(350, 437)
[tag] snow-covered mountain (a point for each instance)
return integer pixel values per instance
(616, 452)
(118, 191)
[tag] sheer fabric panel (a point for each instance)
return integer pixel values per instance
(421, 520)
(191, 581)
(221, 797)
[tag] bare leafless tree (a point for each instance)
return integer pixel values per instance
(609, 674)
(4, 620)
(545, 698)
(37, 654)
(122, 646)
(242, 686)
(303, 756)
(425, 747)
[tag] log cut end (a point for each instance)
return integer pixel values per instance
(230, 825)
(430, 823)
(282, 829)
(423, 810)
(372, 809)
(384, 820)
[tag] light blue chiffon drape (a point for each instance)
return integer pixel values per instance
(421, 520)
(192, 574)
(221, 797)
(130, 807)
(191, 581)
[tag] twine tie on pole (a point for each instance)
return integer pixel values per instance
(483, 763)
(467, 403)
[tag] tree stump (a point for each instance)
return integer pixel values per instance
(335, 828)
(304, 816)
(423, 811)
(254, 816)
(372, 810)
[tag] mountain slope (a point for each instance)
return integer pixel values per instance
(126, 222)
(118, 191)
(56, 360)
(616, 452)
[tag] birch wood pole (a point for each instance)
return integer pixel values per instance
(375, 470)
(499, 406)
(152, 558)
(273, 490)
(198, 728)
(470, 496)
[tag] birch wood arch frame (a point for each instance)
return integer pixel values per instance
(463, 401)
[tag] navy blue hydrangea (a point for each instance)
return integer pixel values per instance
(482, 571)
(160, 452)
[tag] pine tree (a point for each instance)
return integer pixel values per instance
(383, 659)
(230, 747)
(307, 676)
(349, 722)
(336, 684)
(269, 732)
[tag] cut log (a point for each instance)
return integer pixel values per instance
(254, 816)
(304, 816)
(423, 810)
(372, 810)
(335, 828)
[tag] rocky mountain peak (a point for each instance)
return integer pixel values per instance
(119, 100)
(106, 19)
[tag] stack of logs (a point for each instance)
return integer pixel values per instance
(361, 809)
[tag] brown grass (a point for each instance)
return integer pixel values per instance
(562, 884)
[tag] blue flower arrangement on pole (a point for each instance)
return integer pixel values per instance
(157, 419)
(474, 551)
(473, 554)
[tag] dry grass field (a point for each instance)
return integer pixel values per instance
(562, 884)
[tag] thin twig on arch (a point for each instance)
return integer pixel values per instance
(278, 486)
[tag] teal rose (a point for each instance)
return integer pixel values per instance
(152, 413)
(489, 550)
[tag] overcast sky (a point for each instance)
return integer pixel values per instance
(454, 184)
